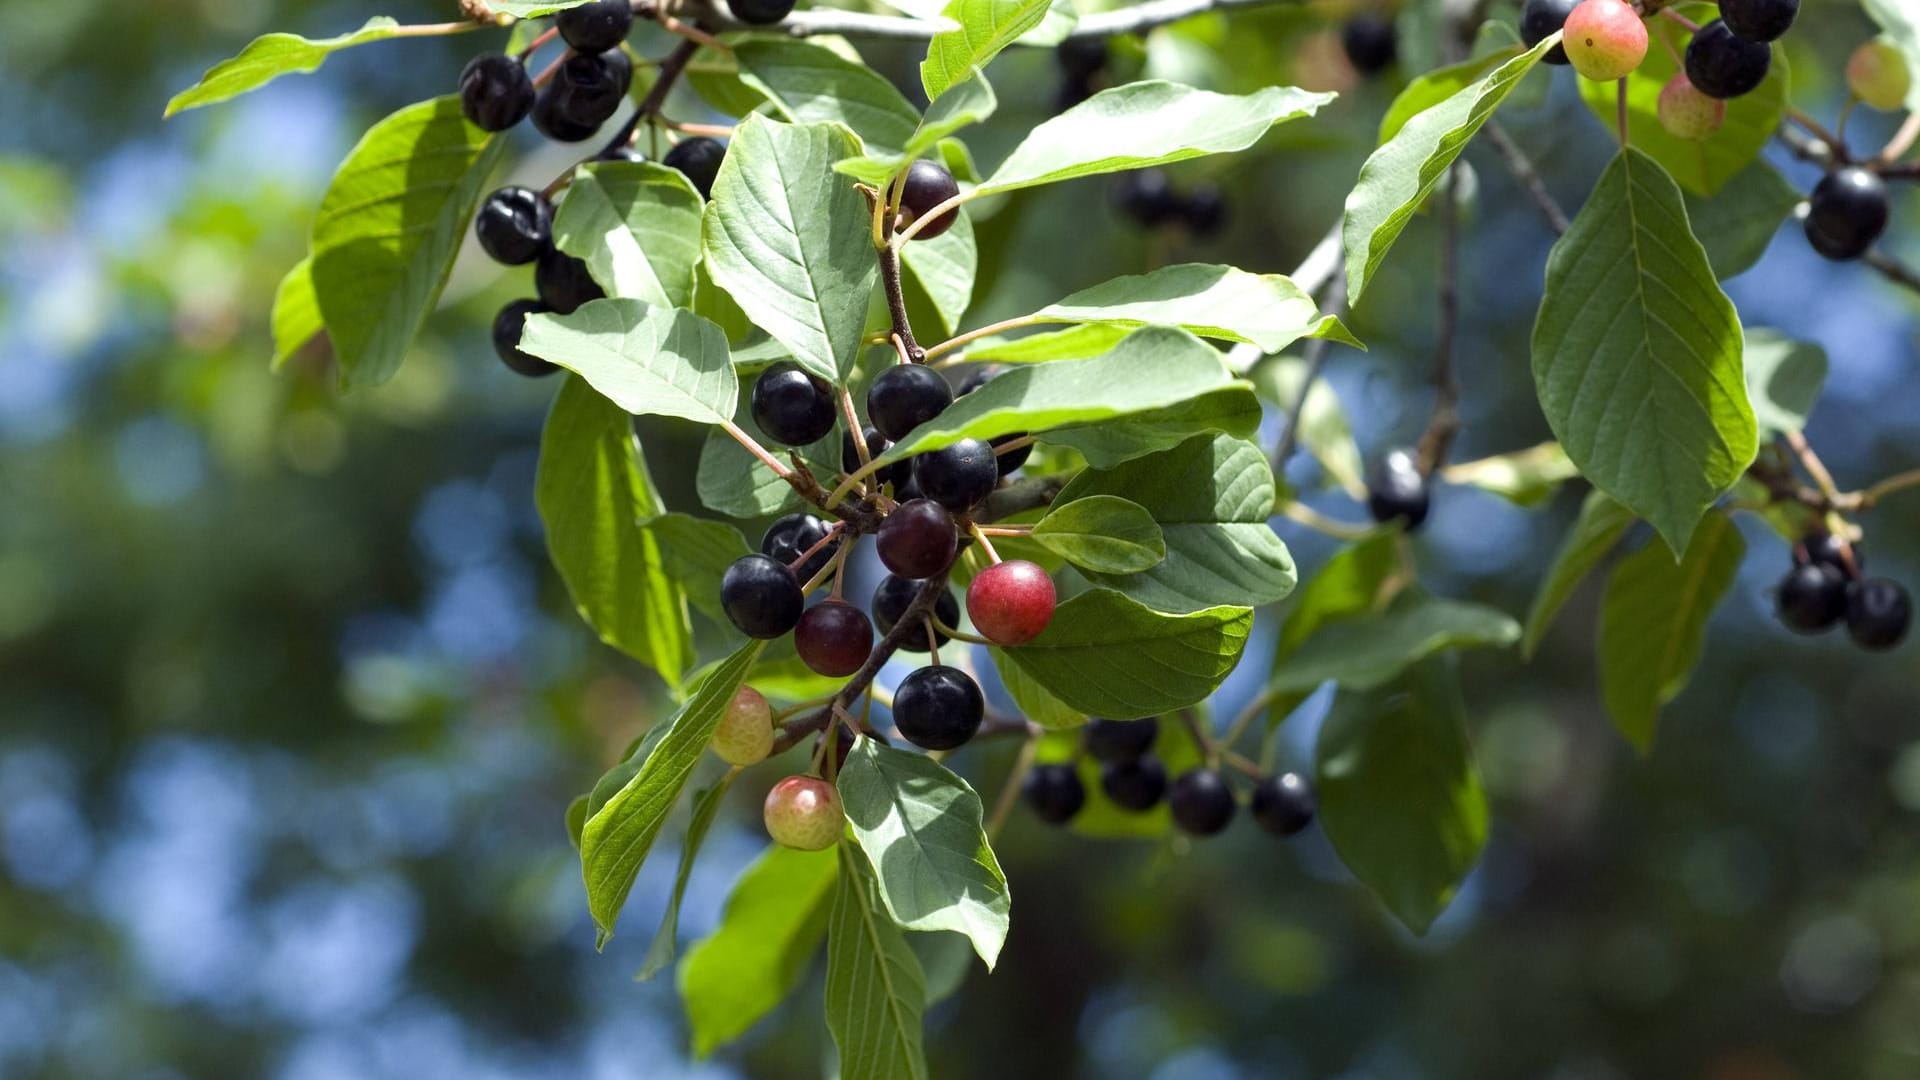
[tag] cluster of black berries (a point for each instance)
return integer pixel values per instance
(1149, 198)
(1134, 779)
(1371, 43)
(1826, 585)
(1397, 490)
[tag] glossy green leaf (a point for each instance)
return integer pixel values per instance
(646, 359)
(1073, 343)
(774, 920)
(1365, 652)
(1653, 623)
(1736, 223)
(1784, 378)
(660, 954)
(1400, 794)
(296, 313)
(1436, 86)
(876, 991)
(270, 56)
(1636, 354)
(529, 9)
(697, 552)
(1601, 524)
(981, 29)
(1106, 654)
(638, 228)
(1222, 302)
(388, 229)
(811, 83)
(1350, 584)
(1104, 533)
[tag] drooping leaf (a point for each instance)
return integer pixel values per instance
(1653, 623)
(697, 552)
(945, 960)
(811, 83)
(270, 56)
(1400, 795)
(981, 29)
(296, 313)
(1601, 524)
(660, 953)
(648, 360)
(876, 991)
(1106, 654)
(618, 836)
(1784, 378)
(1525, 477)
(1222, 302)
(1104, 533)
(638, 228)
(1399, 176)
(785, 236)
(772, 924)
(1366, 652)
(1737, 223)
(1436, 86)
(1636, 354)
(388, 229)
(920, 826)
(732, 481)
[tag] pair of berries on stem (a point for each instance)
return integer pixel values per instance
(1826, 586)
(800, 812)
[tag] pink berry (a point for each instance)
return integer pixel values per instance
(1687, 113)
(1605, 39)
(803, 812)
(744, 735)
(1011, 602)
(1878, 75)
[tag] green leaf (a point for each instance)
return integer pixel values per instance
(734, 482)
(876, 991)
(966, 104)
(618, 836)
(1073, 343)
(1231, 410)
(810, 83)
(296, 313)
(650, 361)
(774, 920)
(1325, 431)
(530, 9)
(944, 268)
(1211, 496)
(270, 56)
(1268, 310)
(1152, 369)
(920, 826)
(1653, 623)
(1145, 123)
(1698, 165)
(1601, 524)
(1784, 378)
(1366, 652)
(1436, 86)
(981, 29)
(697, 552)
(1902, 25)
(1737, 223)
(389, 227)
(1033, 700)
(1636, 354)
(660, 953)
(593, 491)
(1525, 477)
(785, 236)
(1103, 533)
(1400, 795)
(1106, 654)
(945, 960)
(638, 228)
(1398, 177)
(1350, 584)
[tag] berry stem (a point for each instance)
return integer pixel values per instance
(533, 46)
(1902, 140)
(854, 432)
(1246, 716)
(958, 340)
(691, 33)
(1302, 514)
(1669, 13)
(753, 447)
(986, 545)
(713, 131)
(1005, 530)
(437, 29)
(1819, 131)
(1011, 445)
(939, 210)
(1811, 462)
(897, 302)
(1444, 423)
(1010, 788)
(910, 622)
(933, 622)
(838, 567)
(835, 530)
(1620, 111)
(1894, 484)
(1200, 737)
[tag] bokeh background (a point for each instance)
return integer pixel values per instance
(291, 706)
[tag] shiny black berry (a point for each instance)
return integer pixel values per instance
(506, 338)
(928, 185)
(596, 26)
(793, 536)
(895, 595)
(1054, 792)
(1723, 65)
(1201, 802)
(1204, 210)
(549, 120)
(495, 91)
(761, 597)
(958, 476)
(905, 396)
(1284, 804)
(563, 282)
(1397, 490)
(1811, 598)
(938, 707)
(1146, 196)
(1370, 43)
(760, 12)
(918, 539)
(589, 87)
(1120, 740)
(1825, 548)
(1846, 213)
(514, 226)
(1759, 20)
(1878, 613)
(791, 406)
(699, 160)
(1134, 785)
(1540, 19)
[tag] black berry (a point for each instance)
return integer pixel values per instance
(1134, 785)
(760, 12)
(563, 282)
(1825, 548)
(1370, 43)
(495, 91)
(1397, 490)
(1120, 740)
(833, 638)
(877, 444)
(791, 406)
(938, 707)
(550, 121)
(699, 160)
(1722, 65)
(1201, 802)
(895, 595)
(957, 476)
(1539, 19)
(928, 185)
(1146, 196)
(1846, 213)
(1878, 612)
(506, 338)
(1759, 20)
(1005, 463)
(1811, 598)
(1204, 209)
(761, 597)
(514, 226)
(589, 87)
(793, 536)
(918, 539)
(905, 396)
(597, 26)
(1054, 792)
(1284, 804)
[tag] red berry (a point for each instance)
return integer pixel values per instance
(1605, 39)
(1011, 602)
(803, 812)
(833, 638)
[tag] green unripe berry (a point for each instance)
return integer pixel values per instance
(1686, 113)
(1605, 40)
(1878, 75)
(744, 735)
(803, 813)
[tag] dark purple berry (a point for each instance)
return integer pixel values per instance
(596, 26)
(1540, 19)
(895, 595)
(1370, 43)
(1811, 598)
(699, 160)
(564, 282)
(1146, 196)
(1120, 740)
(507, 327)
(1825, 548)
(760, 12)
(791, 406)
(1054, 792)
(927, 186)
(1722, 65)
(1134, 785)
(1284, 804)
(495, 91)
(1397, 490)
(514, 226)
(1846, 213)
(589, 87)
(1759, 20)
(1081, 58)
(918, 539)
(833, 638)
(1204, 209)
(1878, 613)
(793, 536)
(549, 120)
(761, 597)
(905, 396)
(938, 707)
(1201, 802)
(958, 476)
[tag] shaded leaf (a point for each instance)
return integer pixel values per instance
(1103, 533)
(1365, 652)
(1737, 223)
(811, 83)
(1784, 378)
(876, 991)
(660, 953)
(1268, 310)
(1105, 654)
(1525, 477)
(296, 313)
(638, 228)
(774, 920)
(1601, 524)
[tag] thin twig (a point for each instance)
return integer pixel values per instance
(1010, 790)
(1527, 177)
(897, 305)
(1315, 355)
(918, 609)
(1444, 423)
